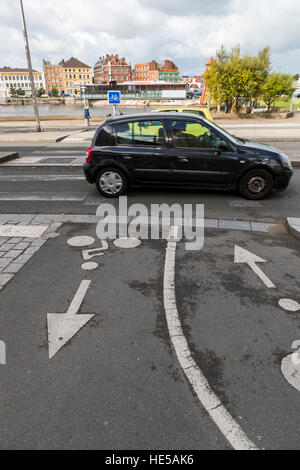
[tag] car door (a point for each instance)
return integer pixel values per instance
(142, 148)
(197, 159)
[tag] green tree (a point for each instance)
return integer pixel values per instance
(54, 92)
(277, 85)
(235, 78)
(20, 92)
(41, 92)
(13, 91)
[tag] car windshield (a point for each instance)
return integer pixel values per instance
(232, 138)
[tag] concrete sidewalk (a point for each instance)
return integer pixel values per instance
(71, 131)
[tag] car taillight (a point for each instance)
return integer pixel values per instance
(89, 155)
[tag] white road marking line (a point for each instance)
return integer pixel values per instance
(81, 241)
(34, 178)
(43, 196)
(27, 160)
(62, 327)
(2, 353)
(90, 254)
(23, 231)
(90, 266)
(219, 414)
(290, 368)
(127, 243)
(289, 305)
(243, 256)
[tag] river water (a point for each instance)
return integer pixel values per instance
(44, 109)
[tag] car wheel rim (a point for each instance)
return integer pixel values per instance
(111, 183)
(257, 184)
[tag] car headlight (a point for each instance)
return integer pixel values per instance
(285, 161)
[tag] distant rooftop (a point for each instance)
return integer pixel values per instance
(73, 62)
(16, 70)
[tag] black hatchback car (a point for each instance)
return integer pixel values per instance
(181, 150)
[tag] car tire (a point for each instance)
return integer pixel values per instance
(256, 184)
(111, 182)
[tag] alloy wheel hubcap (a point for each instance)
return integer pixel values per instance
(111, 182)
(257, 184)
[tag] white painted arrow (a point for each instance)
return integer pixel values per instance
(243, 256)
(62, 327)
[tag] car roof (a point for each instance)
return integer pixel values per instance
(151, 116)
(183, 107)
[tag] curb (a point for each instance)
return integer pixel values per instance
(295, 164)
(6, 157)
(294, 227)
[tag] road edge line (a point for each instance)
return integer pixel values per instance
(213, 405)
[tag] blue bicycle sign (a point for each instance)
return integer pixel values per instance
(114, 97)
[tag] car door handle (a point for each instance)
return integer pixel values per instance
(127, 157)
(183, 160)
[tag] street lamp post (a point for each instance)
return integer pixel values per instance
(83, 89)
(33, 91)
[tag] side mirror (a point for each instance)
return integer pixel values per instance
(223, 146)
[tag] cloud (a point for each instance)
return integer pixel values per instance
(187, 32)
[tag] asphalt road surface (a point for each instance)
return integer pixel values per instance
(121, 379)
(50, 180)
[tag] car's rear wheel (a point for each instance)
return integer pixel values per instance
(256, 184)
(111, 182)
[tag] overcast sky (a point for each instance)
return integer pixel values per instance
(186, 31)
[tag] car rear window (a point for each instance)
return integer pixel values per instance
(195, 111)
(106, 137)
(142, 133)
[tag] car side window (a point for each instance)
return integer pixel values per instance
(106, 137)
(193, 135)
(141, 133)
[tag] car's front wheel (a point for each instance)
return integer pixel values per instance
(111, 182)
(256, 184)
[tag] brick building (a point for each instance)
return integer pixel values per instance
(111, 67)
(67, 76)
(53, 77)
(152, 71)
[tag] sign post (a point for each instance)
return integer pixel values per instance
(114, 98)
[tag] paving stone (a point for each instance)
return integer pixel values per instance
(16, 240)
(234, 225)
(5, 278)
(23, 259)
(13, 254)
(39, 242)
(4, 262)
(3, 218)
(31, 250)
(55, 226)
(7, 247)
(50, 235)
(46, 219)
(22, 246)
(13, 268)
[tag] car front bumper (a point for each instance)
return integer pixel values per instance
(282, 181)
